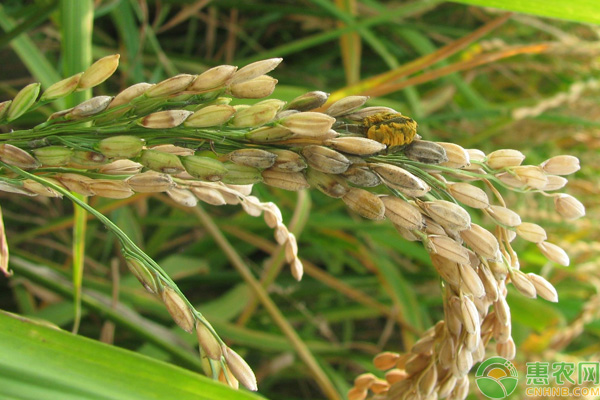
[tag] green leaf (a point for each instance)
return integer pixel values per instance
(534, 313)
(33, 20)
(125, 218)
(574, 10)
(39, 362)
(400, 289)
(228, 306)
(33, 58)
(128, 29)
(76, 18)
(180, 266)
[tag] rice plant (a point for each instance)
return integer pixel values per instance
(222, 137)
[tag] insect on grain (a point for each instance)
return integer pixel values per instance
(392, 129)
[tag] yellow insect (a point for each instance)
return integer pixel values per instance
(391, 129)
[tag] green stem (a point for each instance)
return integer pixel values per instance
(77, 19)
(79, 229)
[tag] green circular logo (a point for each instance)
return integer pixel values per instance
(496, 378)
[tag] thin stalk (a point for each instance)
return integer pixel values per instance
(77, 18)
(303, 352)
(350, 43)
(326, 279)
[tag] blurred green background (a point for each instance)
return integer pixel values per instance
(469, 75)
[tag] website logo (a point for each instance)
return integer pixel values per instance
(496, 378)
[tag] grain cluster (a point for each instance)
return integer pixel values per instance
(187, 137)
